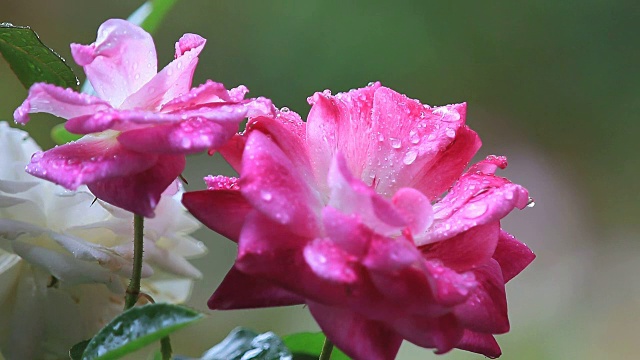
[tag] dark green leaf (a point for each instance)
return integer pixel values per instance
(31, 60)
(306, 343)
(247, 344)
(138, 327)
(151, 13)
(75, 353)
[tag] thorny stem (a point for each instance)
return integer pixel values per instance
(327, 348)
(133, 291)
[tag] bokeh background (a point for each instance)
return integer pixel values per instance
(551, 84)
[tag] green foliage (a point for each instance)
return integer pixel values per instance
(138, 327)
(245, 344)
(31, 60)
(76, 351)
(151, 13)
(309, 345)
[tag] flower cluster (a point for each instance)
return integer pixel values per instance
(64, 262)
(364, 213)
(345, 213)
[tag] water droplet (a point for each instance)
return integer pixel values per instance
(414, 137)
(450, 133)
(410, 157)
(265, 195)
(370, 84)
(395, 143)
(475, 210)
(284, 110)
(380, 137)
(531, 203)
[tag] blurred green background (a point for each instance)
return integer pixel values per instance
(551, 84)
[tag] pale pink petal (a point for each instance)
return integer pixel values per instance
(352, 196)
(476, 199)
(272, 184)
(355, 335)
(140, 192)
(484, 344)
(486, 308)
(187, 137)
(241, 291)
(208, 92)
(512, 255)
(223, 113)
(415, 208)
(346, 231)
(119, 62)
(466, 250)
(441, 333)
(88, 160)
(64, 103)
(173, 81)
(340, 124)
(223, 211)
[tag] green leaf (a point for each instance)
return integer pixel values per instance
(75, 353)
(138, 327)
(61, 136)
(244, 344)
(31, 60)
(151, 13)
(310, 344)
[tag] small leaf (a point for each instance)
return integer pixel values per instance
(31, 60)
(138, 327)
(61, 136)
(244, 344)
(75, 353)
(310, 344)
(151, 13)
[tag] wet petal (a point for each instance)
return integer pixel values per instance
(119, 62)
(512, 255)
(87, 160)
(273, 185)
(173, 81)
(64, 103)
(223, 211)
(484, 344)
(141, 191)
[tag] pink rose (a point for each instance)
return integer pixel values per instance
(141, 123)
(345, 213)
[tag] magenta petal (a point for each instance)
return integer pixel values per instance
(222, 211)
(241, 291)
(172, 81)
(86, 161)
(441, 333)
(486, 308)
(479, 343)
(448, 164)
(476, 199)
(119, 62)
(330, 262)
(209, 92)
(512, 255)
(355, 335)
(64, 103)
(140, 192)
(188, 137)
(466, 250)
(272, 184)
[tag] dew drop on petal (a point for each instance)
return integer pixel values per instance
(284, 110)
(265, 195)
(475, 210)
(395, 143)
(450, 133)
(531, 203)
(410, 157)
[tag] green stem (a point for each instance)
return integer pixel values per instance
(327, 348)
(133, 291)
(165, 348)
